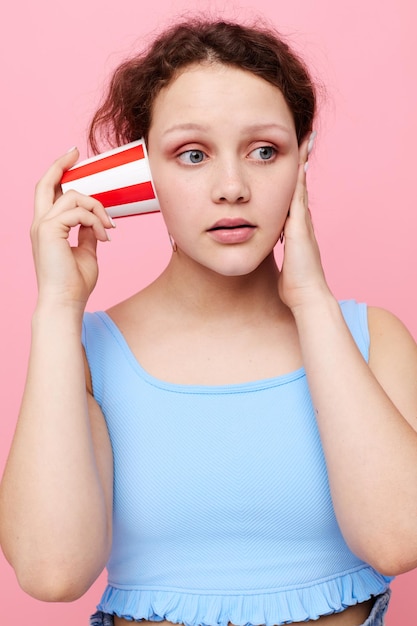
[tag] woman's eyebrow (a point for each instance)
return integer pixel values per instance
(186, 126)
(261, 126)
(264, 126)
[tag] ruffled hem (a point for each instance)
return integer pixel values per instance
(272, 607)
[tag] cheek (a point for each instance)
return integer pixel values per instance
(164, 191)
(175, 212)
(180, 200)
(167, 210)
(280, 192)
(288, 184)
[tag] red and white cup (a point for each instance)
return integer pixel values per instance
(120, 179)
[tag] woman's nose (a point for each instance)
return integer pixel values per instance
(230, 185)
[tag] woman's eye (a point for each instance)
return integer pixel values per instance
(192, 156)
(264, 153)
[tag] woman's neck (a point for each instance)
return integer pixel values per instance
(198, 290)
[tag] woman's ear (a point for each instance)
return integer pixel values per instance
(306, 146)
(310, 144)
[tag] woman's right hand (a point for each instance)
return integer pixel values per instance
(65, 274)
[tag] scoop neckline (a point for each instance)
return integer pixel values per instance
(253, 385)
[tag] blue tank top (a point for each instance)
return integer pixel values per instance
(222, 507)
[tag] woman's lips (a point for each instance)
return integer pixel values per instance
(231, 230)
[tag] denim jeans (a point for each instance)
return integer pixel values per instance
(376, 617)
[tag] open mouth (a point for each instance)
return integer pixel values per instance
(231, 227)
(231, 224)
(232, 231)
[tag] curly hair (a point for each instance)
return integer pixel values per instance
(126, 112)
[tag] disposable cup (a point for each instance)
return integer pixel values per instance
(120, 179)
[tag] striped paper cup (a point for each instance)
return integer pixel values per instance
(120, 179)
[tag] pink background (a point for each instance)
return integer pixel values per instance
(56, 57)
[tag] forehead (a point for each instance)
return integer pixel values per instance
(214, 91)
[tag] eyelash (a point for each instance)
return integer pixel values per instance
(266, 147)
(182, 156)
(190, 152)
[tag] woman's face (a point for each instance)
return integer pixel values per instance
(224, 157)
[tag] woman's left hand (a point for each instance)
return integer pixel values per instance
(302, 278)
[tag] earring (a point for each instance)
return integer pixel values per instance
(172, 242)
(281, 237)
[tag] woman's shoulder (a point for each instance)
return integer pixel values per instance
(390, 339)
(393, 359)
(386, 330)
(384, 320)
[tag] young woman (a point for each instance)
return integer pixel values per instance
(237, 446)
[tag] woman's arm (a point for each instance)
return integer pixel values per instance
(56, 492)
(367, 415)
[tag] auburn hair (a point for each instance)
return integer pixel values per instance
(126, 112)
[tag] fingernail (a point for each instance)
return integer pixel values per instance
(71, 149)
(108, 235)
(112, 222)
(306, 166)
(310, 145)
